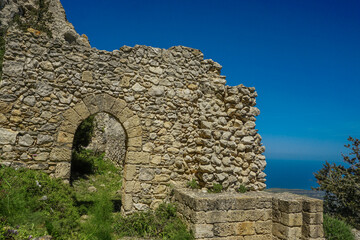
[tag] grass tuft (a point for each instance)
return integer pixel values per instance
(336, 229)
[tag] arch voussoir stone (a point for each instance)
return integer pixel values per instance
(132, 122)
(72, 116)
(82, 110)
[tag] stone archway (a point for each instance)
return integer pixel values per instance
(91, 105)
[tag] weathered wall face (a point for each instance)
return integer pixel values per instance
(180, 119)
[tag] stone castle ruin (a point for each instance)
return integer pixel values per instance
(180, 120)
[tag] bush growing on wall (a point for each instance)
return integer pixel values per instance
(342, 185)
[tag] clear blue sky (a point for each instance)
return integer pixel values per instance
(302, 56)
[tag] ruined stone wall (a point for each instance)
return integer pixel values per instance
(180, 119)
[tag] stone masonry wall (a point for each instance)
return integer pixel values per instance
(250, 216)
(180, 119)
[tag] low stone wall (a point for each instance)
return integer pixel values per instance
(250, 216)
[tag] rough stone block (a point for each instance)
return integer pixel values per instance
(91, 104)
(60, 154)
(203, 230)
(132, 122)
(263, 227)
(82, 110)
(313, 218)
(71, 116)
(245, 228)
(137, 158)
(290, 206)
(135, 142)
(64, 137)
(313, 231)
(118, 107)
(291, 219)
(134, 132)
(127, 202)
(63, 170)
(7, 136)
(129, 172)
(313, 205)
(124, 115)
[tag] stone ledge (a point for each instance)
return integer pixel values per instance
(251, 215)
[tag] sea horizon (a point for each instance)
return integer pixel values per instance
(293, 174)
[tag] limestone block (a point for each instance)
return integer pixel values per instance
(138, 88)
(87, 76)
(60, 154)
(42, 156)
(47, 66)
(263, 227)
(291, 219)
(124, 115)
(313, 205)
(41, 166)
(118, 107)
(64, 137)
(3, 119)
(26, 140)
(63, 170)
(203, 230)
(135, 142)
(156, 70)
(68, 127)
(132, 122)
(162, 178)
(245, 228)
(137, 158)
(146, 174)
(313, 231)
(82, 110)
(71, 116)
(224, 229)
(7, 136)
(313, 218)
(30, 101)
(129, 172)
(108, 102)
(127, 202)
(134, 132)
(91, 104)
(290, 206)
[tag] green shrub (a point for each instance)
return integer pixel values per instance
(216, 188)
(193, 184)
(242, 189)
(33, 200)
(83, 134)
(336, 229)
(161, 223)
(341, 186)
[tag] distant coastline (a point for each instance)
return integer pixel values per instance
(309, 193)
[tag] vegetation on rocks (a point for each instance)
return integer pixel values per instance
(336, 229)
(36, 18)
(341, 184)
(162, 223)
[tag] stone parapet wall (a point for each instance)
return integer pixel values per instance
(250, 216)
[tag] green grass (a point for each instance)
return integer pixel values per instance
(193, 184)
(336, 229)
(163, 223)
(242, 189)
(37, 204)
(216, 188)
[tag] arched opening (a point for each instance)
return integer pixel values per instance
(98, 153)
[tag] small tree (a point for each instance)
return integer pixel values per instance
(342, 185)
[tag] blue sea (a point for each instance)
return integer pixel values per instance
(294, 174)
